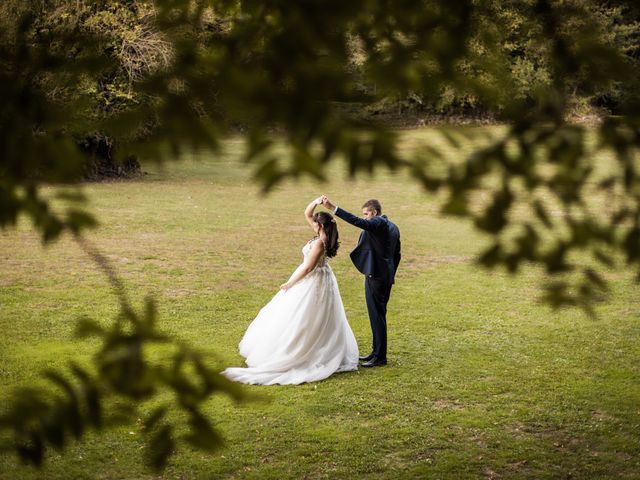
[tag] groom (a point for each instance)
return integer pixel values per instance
(377, 256)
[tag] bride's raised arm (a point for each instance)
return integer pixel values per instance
(308, 212)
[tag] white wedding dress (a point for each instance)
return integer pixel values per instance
(301, 335)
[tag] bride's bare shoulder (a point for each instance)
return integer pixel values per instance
(316, 243)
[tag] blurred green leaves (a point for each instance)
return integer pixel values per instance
(126, 370)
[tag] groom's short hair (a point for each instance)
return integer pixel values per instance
(373, 204)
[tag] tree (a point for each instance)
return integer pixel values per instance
(286, 68)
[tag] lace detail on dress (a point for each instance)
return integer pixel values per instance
(324, 260)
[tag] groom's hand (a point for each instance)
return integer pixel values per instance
(327, 203)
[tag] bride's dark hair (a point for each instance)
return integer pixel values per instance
(331, 231)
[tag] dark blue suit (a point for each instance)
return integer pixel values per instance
(377, 256)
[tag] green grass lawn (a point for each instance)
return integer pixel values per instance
(483, 381)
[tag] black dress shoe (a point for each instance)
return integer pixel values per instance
(367, 358)
(374, 362)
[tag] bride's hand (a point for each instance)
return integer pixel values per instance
(319, 200)
(285, 286)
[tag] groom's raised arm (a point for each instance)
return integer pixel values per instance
(372, 224)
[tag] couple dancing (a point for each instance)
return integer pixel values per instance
(302, 334)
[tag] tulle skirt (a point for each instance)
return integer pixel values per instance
(301, 335)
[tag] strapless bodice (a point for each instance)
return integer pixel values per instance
(324, 260)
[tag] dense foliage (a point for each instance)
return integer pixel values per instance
(158, 78)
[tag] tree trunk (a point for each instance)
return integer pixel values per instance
(100, 159)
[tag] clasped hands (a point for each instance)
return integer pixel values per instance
(325, 202)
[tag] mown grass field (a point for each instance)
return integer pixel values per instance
(483, 381)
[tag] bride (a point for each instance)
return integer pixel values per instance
(302, 334)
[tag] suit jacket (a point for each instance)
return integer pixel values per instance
(378, 250)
